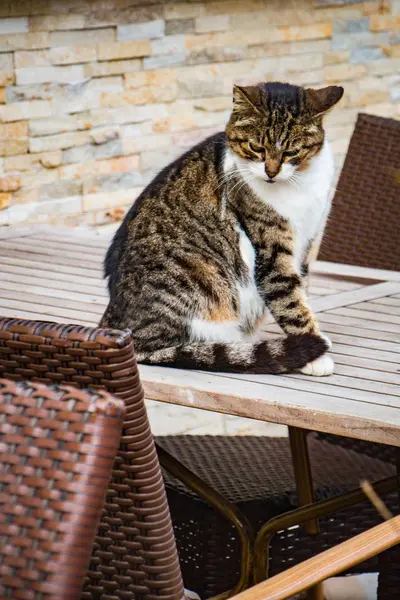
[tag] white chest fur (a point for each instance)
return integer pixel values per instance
(252, 307)
(304, 201)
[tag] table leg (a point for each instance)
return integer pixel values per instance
(305, 490)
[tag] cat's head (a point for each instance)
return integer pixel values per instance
(276, 128)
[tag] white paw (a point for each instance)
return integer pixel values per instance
(320, 367)
(328, 341)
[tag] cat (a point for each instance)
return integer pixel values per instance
(226, 233)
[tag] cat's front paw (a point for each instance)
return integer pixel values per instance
(321, 367)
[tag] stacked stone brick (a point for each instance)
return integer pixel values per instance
(97, 95)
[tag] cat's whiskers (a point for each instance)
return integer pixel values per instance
(227, 177)
(244, 180)
(295, 181)
(241, 180)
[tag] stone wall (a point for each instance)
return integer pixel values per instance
(97, 96)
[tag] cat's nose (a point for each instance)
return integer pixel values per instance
(271, 173)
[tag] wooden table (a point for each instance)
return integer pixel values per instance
(56, 274)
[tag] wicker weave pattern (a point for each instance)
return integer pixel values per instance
(256, 474)
(135, 554)
(363, 228)
(58, 447)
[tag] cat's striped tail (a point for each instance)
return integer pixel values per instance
(281, 355)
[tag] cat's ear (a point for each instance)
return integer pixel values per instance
(245, 97)
(323, 100)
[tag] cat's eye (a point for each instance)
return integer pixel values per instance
(290, 153)
(255, 149)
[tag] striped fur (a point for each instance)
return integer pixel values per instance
(272, 356)
(178, 274)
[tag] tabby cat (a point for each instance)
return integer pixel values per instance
(225, 233)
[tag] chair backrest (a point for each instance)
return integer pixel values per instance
(364, 225)
(135, 554)
(58, 446)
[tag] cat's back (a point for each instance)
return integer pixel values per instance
(189, 185)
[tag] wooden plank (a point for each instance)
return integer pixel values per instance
(349, 340)
(351, 382)
(73, 246)
(352, 331)
(56, 283)
(367, 374)
(367, 363)
(90, 239)
(8, 270)
(365, 314)
(390, 357)
(60, 303)
(378, 308)
(48, 311)
(318, 291)
(340, 270)
(40, 229)
(52, 267)
(357, 332)
(38, 249)
(336, 283)
(74, 262)
(318, 385)
(389, 301)
(38, 316)
(354, 296)
(12, 233)
(19, 289)
(327, 317)
(316, 412)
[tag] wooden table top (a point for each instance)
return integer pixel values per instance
(55, 274)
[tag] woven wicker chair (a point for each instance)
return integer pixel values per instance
(58, 446)
(364, 225)
(327, 564)
(256, 475)
(134, 556)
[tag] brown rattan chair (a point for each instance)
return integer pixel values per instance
(58, 446)
(134, 555)
(327, 564)
(364, 225)
(256, 475)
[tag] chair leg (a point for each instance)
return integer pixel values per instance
(307, 513)
(226, 508)
(305, 490)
